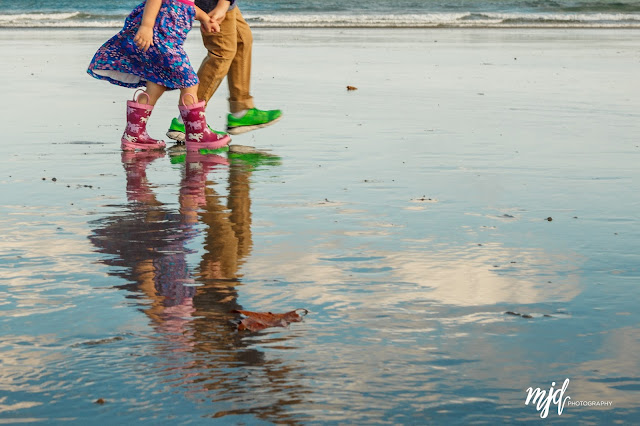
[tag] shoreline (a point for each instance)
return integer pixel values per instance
(365, 27)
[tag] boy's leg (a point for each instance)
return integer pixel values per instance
(239, 76)
(221, 49)
(244, 115)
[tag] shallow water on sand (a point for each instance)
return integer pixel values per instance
(408, 217)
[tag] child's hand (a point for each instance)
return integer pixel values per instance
(144, 38)
(219, 12)
(209, 26)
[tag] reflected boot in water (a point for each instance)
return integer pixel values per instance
(194, 182)
(135, 135)
(135, 165)
(198, 135)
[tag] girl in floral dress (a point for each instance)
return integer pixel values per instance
(148, 52)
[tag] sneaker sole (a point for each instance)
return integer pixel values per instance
(244, 129)
(176, 136)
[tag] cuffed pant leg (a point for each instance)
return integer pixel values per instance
(239, 76)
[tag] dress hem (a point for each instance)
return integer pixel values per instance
(141, 83)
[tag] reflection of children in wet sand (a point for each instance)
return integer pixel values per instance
(149, 242)
(227, 241)
(149, 247)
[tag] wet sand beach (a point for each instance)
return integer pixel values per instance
(461, 227)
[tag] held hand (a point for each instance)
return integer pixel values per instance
(144, 38)
(219, 12)
(209, 26)
(217, 16)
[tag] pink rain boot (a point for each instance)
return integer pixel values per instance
(198, 134)
(135, 135)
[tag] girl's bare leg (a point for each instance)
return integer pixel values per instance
(154, 91)
(193, 90)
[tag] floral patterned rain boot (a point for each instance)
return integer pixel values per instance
(135, 135)
(198, 134)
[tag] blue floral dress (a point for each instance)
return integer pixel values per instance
(120, 61)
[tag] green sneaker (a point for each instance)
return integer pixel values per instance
(176, 131)
(252, 120)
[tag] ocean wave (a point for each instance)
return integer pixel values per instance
(584, 6)
(60, 19)
(424, 20)
(37, 16)
(453, 20)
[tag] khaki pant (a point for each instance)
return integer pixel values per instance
(229, 54)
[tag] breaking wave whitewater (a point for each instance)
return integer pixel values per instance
(319, 20)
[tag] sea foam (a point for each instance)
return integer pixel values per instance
(289, 20)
